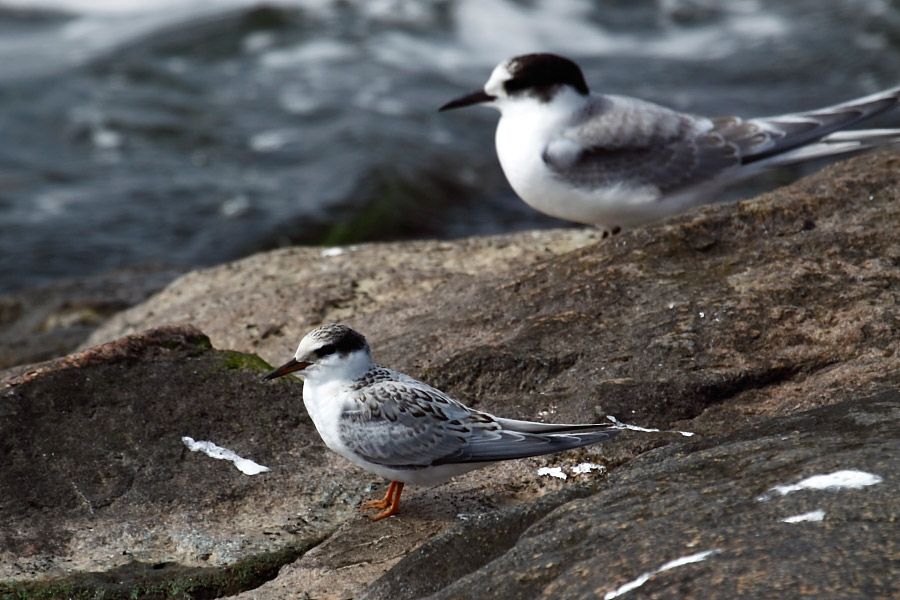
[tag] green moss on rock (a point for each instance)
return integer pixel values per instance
(160, 581)
(238, 360)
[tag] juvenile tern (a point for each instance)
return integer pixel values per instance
(403, 429)
(618, 162)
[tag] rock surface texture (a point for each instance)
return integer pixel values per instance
(41, 323)
(769, 328)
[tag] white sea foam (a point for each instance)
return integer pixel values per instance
(274, 139)
(484, 31)
(316, 51)
(123, 7)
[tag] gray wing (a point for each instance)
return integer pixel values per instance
(409, 425)
(632, 142)
(626, 140)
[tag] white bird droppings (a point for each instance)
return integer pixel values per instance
(338, 250)
(853, 480)
(816, 515)
(579, 469)
(587, 467)
(620, 425)
(244, 465)
(684, 560)
(553, 472)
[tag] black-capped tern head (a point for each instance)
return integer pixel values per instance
(538, 77)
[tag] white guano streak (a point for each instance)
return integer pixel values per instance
(586, 467)
(684, 560)
(847, 479)
(552, 472)
(815, 515)
(244, 465)
(620, 425)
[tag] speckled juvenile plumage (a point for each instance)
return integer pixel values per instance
(406, 430)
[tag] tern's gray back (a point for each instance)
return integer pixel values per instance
(626, 141)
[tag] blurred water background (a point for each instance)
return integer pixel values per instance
(191, 132)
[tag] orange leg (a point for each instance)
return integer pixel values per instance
(389, 505)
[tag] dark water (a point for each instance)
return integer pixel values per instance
(186, 132)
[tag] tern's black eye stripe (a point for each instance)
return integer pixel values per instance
(350, 341)
(325, 350)
(514, 85)
(346, 342)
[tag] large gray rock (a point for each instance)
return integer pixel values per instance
(266, 303)
(95, 475)
(769, 327)
(98, 483)
(727, 501)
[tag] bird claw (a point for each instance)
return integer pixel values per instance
(388, 505)
(379, 504)
(393, 509)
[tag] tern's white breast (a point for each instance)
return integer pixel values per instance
(525, 130)
(325, 402)
(523, 133)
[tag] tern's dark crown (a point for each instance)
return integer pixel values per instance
(542, 75)
(339, 338)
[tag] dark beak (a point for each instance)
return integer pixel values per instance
(478, 97)
(288, 367)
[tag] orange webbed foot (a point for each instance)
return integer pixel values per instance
(389, 505)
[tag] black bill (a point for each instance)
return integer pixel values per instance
(469, 99)
(288, 367)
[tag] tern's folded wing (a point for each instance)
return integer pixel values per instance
(632, 143)
(629, 142)
(407, 424)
